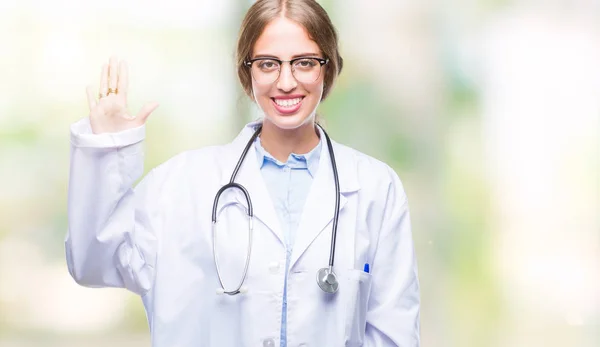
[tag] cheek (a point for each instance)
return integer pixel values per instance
(317, 90)
(260, 92)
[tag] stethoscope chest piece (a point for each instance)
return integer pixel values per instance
(327, 280)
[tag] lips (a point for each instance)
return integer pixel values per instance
(288, 105)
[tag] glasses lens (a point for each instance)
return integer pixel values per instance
(265, 71)
(306, 70)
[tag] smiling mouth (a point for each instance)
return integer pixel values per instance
(287, 103)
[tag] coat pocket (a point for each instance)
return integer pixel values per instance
(358, 288)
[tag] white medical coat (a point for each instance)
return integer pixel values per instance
(155, 240)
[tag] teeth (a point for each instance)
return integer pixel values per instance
(287, 102)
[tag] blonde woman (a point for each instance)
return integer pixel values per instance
(281, 238)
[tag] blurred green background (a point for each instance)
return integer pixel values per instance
(488, 110)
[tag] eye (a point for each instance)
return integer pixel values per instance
(268, 65)
(306, 63)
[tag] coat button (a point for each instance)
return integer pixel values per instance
(274, 267)
(268, 343)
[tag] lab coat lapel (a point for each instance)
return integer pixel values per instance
(319, 208)
(251, 178)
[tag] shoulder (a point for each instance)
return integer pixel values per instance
(204, 165)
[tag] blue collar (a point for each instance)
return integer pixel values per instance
(308, 161)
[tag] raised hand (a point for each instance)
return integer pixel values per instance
(108, 113)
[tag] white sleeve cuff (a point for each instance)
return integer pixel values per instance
(82, 136)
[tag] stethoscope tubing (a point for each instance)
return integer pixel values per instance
(336, 212)
(323, 281)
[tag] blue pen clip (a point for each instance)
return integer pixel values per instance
(366, 267)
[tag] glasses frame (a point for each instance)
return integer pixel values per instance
(322, 61)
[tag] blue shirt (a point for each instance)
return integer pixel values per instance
(288, 184)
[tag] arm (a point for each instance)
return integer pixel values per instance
(110, 240)
(393, 310)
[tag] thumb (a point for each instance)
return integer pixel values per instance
(146, 111)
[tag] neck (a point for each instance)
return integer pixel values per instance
(280, 143)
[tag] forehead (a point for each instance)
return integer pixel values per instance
(284, 39)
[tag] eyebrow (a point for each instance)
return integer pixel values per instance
(316, 55)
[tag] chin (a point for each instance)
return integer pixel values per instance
(288, 122)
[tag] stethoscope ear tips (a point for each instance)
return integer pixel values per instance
(220, 291)
(244, 290)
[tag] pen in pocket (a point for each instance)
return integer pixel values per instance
(366, 269)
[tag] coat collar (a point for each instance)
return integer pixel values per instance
(309, 161)
(344, 156)
(316, 216)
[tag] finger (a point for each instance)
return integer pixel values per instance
(146, 111)
(123, 83)
(113, 73)
(91, 98)
(104, 80)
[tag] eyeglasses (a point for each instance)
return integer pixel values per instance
(267, 70)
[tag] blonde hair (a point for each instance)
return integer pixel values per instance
(307, 13)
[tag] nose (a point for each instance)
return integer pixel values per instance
(286, 82)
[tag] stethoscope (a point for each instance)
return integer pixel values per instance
(326, 277)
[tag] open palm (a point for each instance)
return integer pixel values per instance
(108, 113)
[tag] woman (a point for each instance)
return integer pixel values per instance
(157, 239)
